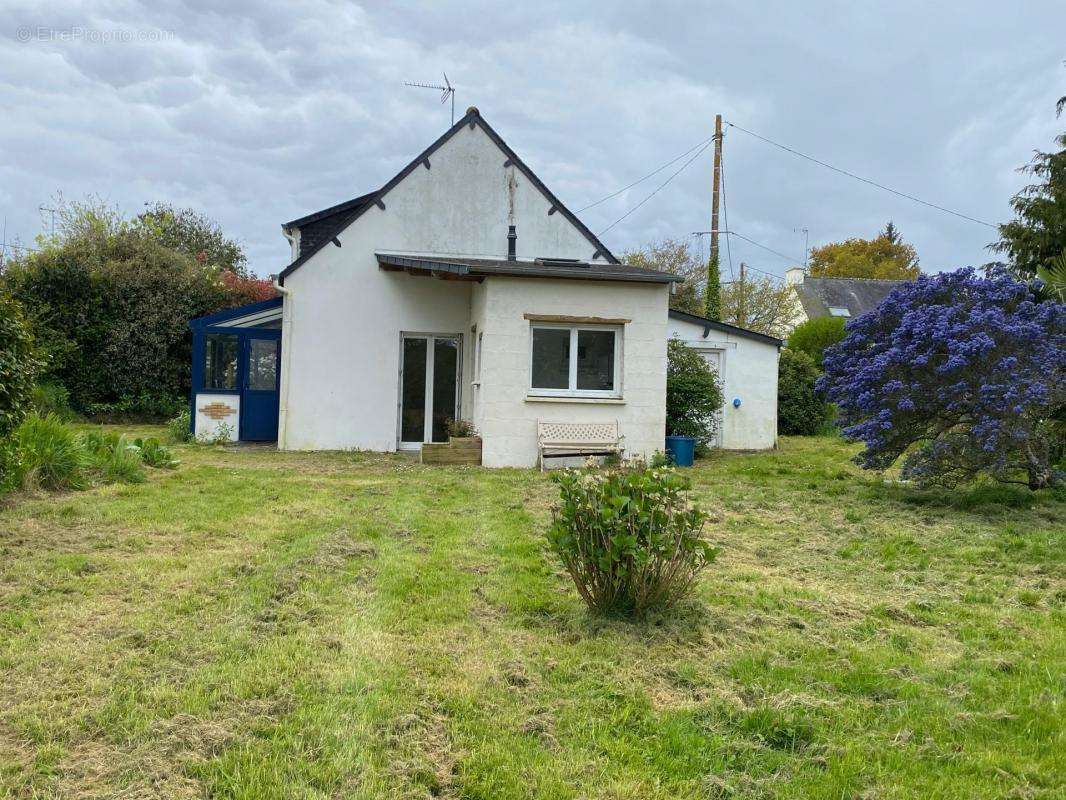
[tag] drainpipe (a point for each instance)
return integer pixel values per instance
(512, 239)
(286, 340)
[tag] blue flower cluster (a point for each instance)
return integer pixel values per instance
(958, 372)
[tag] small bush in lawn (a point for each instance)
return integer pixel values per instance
(51, 455)
(155, 454)
(629, 537)
(113, 458)
(179, 429)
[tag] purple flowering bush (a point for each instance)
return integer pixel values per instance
(958, 374)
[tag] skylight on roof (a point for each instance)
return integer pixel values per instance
(839, 311)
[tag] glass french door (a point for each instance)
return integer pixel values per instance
(429, 387)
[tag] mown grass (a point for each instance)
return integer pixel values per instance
(270, 625)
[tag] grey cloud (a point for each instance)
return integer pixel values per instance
(258, 113)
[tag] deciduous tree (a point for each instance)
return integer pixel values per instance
(760, 304)
(886, 256)
(675, 257)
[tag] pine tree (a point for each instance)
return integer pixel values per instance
(713, 295)
(891, 233)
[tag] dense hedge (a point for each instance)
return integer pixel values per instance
(19, 365)
(800, 409)
(814, 335)
(110, 308)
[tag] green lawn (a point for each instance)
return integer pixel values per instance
(269, 625)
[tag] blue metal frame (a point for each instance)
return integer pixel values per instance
(215, 323)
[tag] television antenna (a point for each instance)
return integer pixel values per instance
(446, 91)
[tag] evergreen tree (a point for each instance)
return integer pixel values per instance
(1036, 237)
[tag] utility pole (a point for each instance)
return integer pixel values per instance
(715, 186)
(742, 318)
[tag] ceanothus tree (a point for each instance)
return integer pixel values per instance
(957, 373)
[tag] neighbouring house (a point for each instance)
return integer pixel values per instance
(746, 363)
(836, 297)
(463, 288)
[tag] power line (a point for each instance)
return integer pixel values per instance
(659, 187)
(860, 178)
(768, 249)
(649, 175)
(725, 215)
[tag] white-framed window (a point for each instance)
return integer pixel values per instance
(575, 360)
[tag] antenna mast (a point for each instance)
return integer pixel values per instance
(447, 91)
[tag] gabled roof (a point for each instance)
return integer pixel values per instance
(857, 295)
(351, 210)
(713, 324)
(479, 268)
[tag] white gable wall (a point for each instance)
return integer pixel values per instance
(344, 315)
(748, 371)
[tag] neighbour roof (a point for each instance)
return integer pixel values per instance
(346, 213)
(713, 324)
(477, 268)
(857, 295)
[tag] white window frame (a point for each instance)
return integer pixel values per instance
(572, 390)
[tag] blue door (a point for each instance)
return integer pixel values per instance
(259, 398)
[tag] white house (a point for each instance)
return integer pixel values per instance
(746, 362)
(462, 288)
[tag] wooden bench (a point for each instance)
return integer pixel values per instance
(570, 439)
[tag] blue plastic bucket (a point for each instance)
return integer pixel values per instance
(681, 450)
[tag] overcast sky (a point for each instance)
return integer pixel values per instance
(257, 114)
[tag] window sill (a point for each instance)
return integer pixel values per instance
(605, 401)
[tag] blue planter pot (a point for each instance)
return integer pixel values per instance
(681, 450)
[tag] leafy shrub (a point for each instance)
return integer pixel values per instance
(112, 458)
(110, 299)
(155, 454)
(459, 428)
(179, 429)
(19, 365)
(50, 397)
(628, 536)
(223, 434)
(958, 374)
(145, 407)
(814, 335)
(693, 394)
(800, 409)
(51, 455)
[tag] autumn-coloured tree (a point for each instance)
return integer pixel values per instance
(886, 256)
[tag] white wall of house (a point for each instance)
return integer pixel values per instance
(507, 413)
(344, 315)
(748, 371)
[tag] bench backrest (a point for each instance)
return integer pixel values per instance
(577, 433)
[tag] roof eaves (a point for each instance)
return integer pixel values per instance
(713, 324)
(329, 212)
